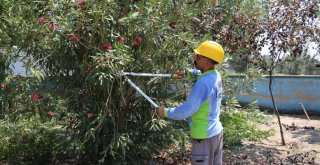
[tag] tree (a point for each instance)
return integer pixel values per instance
(81, 46)
(284, 27)
(287, 29)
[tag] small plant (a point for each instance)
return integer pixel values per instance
(241, 124)
(31, 141)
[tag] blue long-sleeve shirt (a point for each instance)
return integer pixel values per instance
(202, 106)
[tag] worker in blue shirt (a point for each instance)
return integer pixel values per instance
(202, 108)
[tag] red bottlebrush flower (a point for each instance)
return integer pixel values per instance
(122, 39)
(136, 43)
(50, 113)
(36, 96)
(4, 85)
(107, 46)
(214, 2)
(22, 138)
(139, 39)
(80, 4)
(89, 114)
(86, 71)
(74, 38)
(52, 26)
(42, 20)
(89, 66)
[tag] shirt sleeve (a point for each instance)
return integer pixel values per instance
(198, 96)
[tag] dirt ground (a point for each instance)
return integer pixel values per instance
(302, 138)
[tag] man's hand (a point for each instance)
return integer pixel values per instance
(180, 74)
(160, 112)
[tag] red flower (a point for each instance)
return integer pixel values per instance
(136, 43)
(42, 20)
(4, 85)
(86, 71)
(80, 4)
(50, 114)
(52, 26)
(214, 2)
(36, 96)
(107, 46)
(74, 38)
(89, 114)
(139, 39)
(122, 39)
(22, 138)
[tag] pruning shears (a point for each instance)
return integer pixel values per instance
(141, 92)
(126, 74)
(148, 74)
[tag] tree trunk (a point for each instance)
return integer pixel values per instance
(275, 106)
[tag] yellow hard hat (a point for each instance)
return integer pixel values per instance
(212, 50)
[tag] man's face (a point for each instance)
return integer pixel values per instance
(199, 61)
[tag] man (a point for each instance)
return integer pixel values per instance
(202, 108)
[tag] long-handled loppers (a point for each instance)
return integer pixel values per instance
(126, 74)
(141, 92)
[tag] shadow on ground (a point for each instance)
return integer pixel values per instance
(310, 136)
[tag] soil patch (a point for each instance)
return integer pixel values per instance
(302, 138)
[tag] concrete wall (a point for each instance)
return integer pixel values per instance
(288, 91)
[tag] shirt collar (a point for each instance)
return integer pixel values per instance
(206, 72)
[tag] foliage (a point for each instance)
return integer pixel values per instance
(239, 84)
(300, 65)
(75, 50)
(30, 140)
(80, 46)
(241, 124)
(289, 27)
